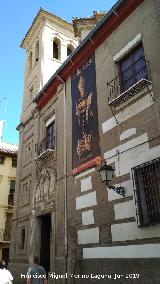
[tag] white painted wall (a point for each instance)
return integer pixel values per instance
(132, 153)
(87, 172)
(123, 165)
(86, 200)
(46, 65)
(128, 186)
(124, 210)
(130, 231)
(51, 64)
(131, 251)
(128, 133)
(86, 184)
(88, 236)
(87, 217)
(125, 157)
(130, 111)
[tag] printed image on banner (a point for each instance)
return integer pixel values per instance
(85, 135)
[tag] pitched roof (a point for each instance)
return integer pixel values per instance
(40, 15)
(7, 148)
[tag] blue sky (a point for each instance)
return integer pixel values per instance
(16, 18)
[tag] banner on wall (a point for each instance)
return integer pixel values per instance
(85, 134)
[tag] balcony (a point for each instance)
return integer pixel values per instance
(5, 236)
(11, 199)
(129, 83)
(45, 148)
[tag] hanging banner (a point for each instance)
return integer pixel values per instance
(85, 135)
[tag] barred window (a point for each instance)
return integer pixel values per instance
(147, 192)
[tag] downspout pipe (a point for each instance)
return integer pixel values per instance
(65, 176)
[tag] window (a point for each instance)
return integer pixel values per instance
(22, 238)
(70, 49)
(48, 141)
(30, 61)
(12, 186)
(25, 192)
(2, 159)
(56, 49)
(14, 162)
(147, 192)
(50, 135)
(37, 51)
(28, 152)
(133, 68)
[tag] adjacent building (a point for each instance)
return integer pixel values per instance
(8, 164)
(101, 104)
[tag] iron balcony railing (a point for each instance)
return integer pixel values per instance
(5, 236)
(11, 199)
(46, 143)
(128, 78)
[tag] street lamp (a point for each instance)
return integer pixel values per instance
(106, 173)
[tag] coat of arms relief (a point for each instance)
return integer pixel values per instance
(45, 185)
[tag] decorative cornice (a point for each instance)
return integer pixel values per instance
(41, 15)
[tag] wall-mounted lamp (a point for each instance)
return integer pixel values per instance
(106, 173)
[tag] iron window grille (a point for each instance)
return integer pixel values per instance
(146, 179)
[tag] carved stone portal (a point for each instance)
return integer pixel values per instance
(45, 185)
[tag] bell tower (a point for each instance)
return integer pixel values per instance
(47, 43)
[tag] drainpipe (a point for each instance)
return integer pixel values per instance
(65, 177)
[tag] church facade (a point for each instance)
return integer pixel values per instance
(100, 107)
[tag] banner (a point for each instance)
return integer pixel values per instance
(85, 135)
